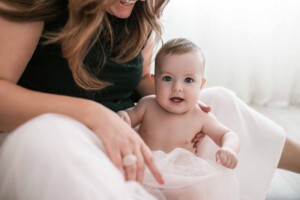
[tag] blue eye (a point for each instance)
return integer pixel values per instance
(188, 80)
(167, 78)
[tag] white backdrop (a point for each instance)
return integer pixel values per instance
(251, 46)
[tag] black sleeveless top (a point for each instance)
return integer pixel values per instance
(49, 72)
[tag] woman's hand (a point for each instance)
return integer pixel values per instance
(120, 140)
(204, 107)
(198, 137)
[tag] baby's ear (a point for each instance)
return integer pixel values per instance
(202, 83)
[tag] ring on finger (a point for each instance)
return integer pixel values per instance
(129, 160)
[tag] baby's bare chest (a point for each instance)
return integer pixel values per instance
(171, 128)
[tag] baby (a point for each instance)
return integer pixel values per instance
(171, 118)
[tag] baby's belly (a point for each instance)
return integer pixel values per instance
(188, 146)
(167, 145)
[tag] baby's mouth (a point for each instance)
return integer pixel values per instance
(176, 99)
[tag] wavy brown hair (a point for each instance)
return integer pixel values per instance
(87, 21)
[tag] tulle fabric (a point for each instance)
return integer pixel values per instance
(190, 177)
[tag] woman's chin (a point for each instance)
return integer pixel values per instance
(120, 10)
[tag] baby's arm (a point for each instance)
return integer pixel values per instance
(134, 115)
(223, 137)
(124, 115)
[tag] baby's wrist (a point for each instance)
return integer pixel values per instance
(232, 151)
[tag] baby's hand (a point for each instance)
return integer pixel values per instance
(124, 115)
(227, 157)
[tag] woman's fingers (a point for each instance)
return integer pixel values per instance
(135, 171)
(116, 158)
(140, 165)
(198, 137)
(130, 172)
(204, 107)
(149, 161)
(132, 165)
(121, 141)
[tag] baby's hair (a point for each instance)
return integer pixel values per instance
(177, 46)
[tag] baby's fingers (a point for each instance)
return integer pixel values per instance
(221, 157)
(233, 163)
(226, 160)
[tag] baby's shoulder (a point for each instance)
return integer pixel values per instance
(146, 100)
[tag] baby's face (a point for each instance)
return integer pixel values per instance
(178, 81)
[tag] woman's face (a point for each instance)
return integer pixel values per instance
(122, 8)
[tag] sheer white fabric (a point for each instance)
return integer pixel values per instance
(188, 176)
(55, 157)
(251, 47)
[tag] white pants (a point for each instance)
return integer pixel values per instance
(262, 141)
(55, 157)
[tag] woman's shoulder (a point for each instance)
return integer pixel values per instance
(5, 6)
(34, 10)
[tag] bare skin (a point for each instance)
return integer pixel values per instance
(173, 117)
(289, 159)
(162, 130)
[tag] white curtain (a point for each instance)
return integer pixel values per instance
(251, 46)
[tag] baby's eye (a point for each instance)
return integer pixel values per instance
(188, 80)
(167, 78)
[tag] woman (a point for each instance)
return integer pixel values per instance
(92, 55)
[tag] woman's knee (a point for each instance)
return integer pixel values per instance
(217, 95)
(42, 133)
(218, 92)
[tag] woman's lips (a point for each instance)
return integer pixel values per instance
(127, 2)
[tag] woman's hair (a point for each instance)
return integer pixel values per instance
(87, 21)
(177, 46)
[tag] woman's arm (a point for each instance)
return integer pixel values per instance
(18, 105)
(146, 85)
(18, 41)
